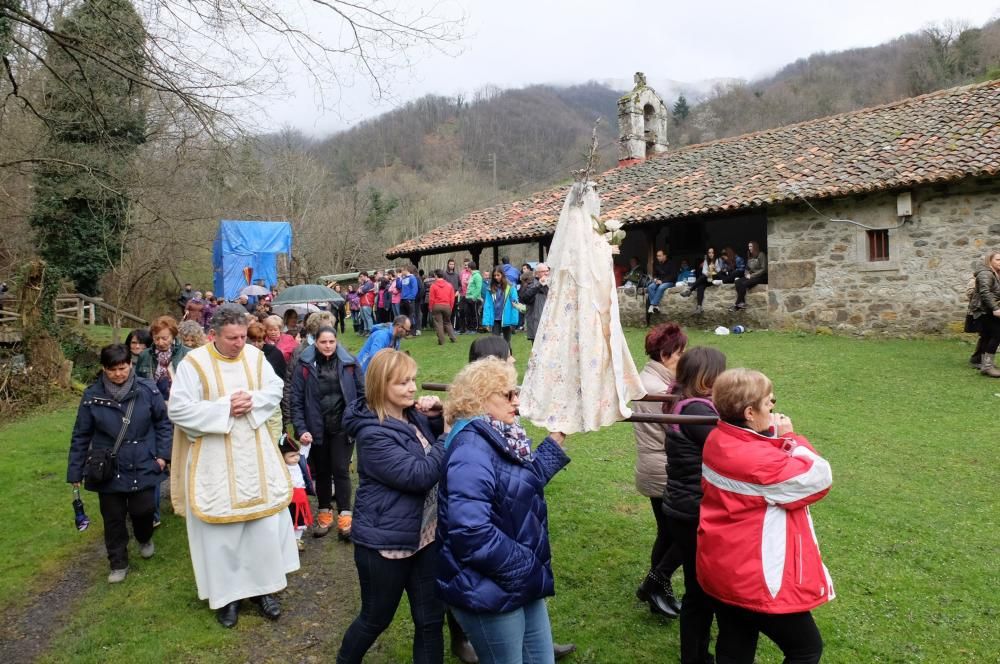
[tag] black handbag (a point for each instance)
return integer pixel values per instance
(102, 464)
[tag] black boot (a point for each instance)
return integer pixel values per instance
(659, 594)
(460, 646)
(560, 650)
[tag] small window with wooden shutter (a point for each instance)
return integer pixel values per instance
(878, 245)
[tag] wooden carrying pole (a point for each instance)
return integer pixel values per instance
(659, 418)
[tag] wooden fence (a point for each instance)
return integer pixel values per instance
(80, 308)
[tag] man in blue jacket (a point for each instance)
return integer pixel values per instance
(385, 335)
(408, 291)
(512, 273)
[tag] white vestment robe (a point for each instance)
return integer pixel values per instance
(230, 480)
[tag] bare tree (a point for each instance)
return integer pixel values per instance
(210, 54)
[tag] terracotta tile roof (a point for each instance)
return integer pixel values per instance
(939, 137)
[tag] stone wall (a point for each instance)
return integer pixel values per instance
(718, 300)
(820, 275)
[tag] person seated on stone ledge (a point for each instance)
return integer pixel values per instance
(664, 277)
(686, 272)
(732, 267)
(756, 273)
(636, 274)
(708, 273)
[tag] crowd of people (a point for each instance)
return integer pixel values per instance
(730, 490)
(502, 301)
(261, 411)
(684, 279)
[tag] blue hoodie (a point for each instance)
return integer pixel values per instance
(381, 337)
(409, 288)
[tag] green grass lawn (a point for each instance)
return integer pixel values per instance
(909, 531)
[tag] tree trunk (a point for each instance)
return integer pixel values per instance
(45, 359)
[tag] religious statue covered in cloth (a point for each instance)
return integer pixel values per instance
(580, 375)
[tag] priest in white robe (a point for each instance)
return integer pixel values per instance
(229, 478)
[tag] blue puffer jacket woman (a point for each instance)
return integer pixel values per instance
(493, 522)
(395, 513)
(395, 475)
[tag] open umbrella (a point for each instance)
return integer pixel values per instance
(254, 290)
(300, 309)
(307, 293)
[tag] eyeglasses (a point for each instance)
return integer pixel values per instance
(511, 395)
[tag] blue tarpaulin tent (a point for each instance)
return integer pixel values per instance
(248, 244)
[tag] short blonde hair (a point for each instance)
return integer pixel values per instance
(318, 319)
(476, 383)
(736, 389)
(386, 366)
(274, 320)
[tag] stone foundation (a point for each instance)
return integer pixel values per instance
(718, 300)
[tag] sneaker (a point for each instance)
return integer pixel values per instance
(147, 549)
(344, 526)
(301, 544)
(650, 310)
(698, 309)
(686, 292)
(324, 521)
(656, 310)
(417, 333)
(741, 306)
(118, 575)
(156, 523)
(716, 282)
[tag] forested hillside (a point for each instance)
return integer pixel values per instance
(351, 195)
(822, 84)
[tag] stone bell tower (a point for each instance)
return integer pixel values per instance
(642, 124)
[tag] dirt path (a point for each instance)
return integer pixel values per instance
(26, 630)
(321, 600)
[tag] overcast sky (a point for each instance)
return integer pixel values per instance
(513, 43)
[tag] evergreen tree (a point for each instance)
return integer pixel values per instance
(681, 110)
(95, 119)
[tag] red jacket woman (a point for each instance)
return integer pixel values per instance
(757, 549)
(756, 544)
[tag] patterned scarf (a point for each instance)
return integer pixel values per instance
(162, 362)
(516, 438)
